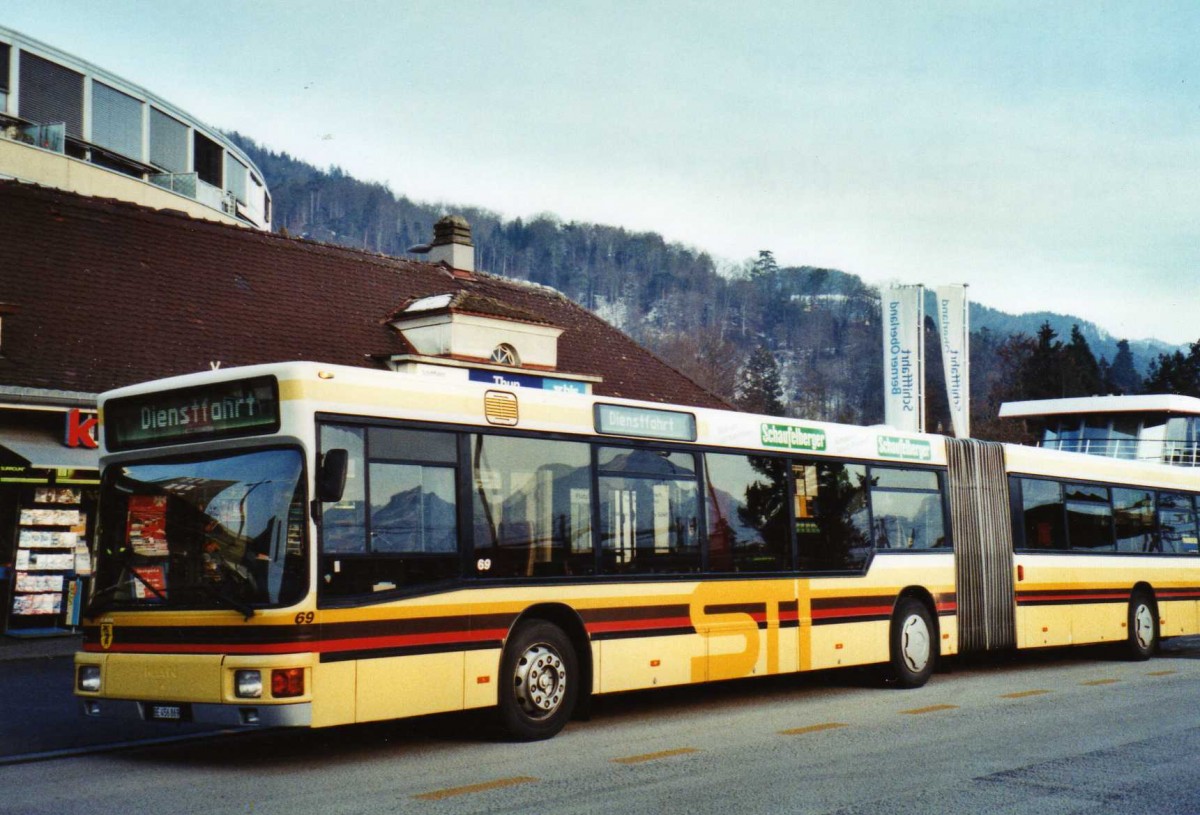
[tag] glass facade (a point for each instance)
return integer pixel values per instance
(109, 123)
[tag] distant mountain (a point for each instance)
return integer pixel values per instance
(1102, 343)
(821, 325)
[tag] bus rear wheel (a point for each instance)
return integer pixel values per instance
(1143, 627)
(539, 682)
(913, 646)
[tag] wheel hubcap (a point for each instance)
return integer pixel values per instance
(1143, 626)
(540, 680)
(914, 643)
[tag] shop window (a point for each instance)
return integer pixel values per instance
(833, 531)
(116, 121)
(746, 499)
(649, 511)
(235, 177)
(207, 159)
(5, 53)
(168, 142)
(532, 507)
(51, 93)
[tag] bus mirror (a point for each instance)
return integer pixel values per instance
(331, 480)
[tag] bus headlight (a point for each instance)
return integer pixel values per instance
(247, 684)
(89, 678)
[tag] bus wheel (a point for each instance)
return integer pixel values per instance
(539, 682)
(1143, 627)
(912, 647)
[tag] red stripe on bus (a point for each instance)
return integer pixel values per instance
(858, 611)
(638, 625)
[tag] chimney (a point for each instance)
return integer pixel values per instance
(451, 244)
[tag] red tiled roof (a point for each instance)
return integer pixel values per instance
(108, 294)
(467, 302)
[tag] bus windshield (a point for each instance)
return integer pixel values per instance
(223, 531)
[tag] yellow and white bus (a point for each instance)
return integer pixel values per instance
(311, 545)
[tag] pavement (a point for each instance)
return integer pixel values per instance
(14, 648)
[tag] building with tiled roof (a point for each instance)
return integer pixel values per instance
(97, 293)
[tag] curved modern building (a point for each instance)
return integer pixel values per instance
(69, 124)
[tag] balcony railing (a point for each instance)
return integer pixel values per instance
(1179, 453)
(51, 137)
(192, 186)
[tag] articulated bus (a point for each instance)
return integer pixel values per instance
(311, 545)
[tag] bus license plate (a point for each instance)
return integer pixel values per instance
(166, 713)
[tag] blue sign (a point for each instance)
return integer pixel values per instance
(505, 379)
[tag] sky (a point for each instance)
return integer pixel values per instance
(1045, 154)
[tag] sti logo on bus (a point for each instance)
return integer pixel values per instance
(219, 410)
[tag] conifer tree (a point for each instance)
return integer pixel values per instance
(759, 389)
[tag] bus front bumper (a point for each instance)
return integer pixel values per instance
(293, 715)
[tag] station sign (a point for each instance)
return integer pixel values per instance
(504, 379)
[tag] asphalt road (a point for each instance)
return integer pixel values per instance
(1045, 733)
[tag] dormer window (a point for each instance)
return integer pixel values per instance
(505, 354)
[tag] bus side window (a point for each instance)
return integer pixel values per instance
(832, 520)
(1089, 518)
(344, 523)
(746, 499)
(532, 503)
(1177, 530)
(396, 525)
(1133, 515)
(906, 509)
(649, 511)
(1042, 512)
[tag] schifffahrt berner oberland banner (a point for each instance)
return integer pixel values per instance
(904, 358)
(953, 325)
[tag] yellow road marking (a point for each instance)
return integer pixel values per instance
(812, 728)
(499, 783)
(930, 709)
(1022, 694)
(679, 751)
(1161, 673)
(1101, 682)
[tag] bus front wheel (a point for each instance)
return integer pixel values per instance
(539, 681)
(913, 646)
(1143, 627)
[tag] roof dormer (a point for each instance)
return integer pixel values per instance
(472, 327)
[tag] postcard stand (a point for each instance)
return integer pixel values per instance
(52, 560)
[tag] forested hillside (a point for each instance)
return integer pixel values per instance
(819, 328)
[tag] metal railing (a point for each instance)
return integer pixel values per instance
(51, 137)
(1179, 453)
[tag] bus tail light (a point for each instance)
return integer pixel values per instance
(287, 682)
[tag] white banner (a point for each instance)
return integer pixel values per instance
(904, 357)
(953, 325)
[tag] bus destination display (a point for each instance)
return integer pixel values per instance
(219, 410)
